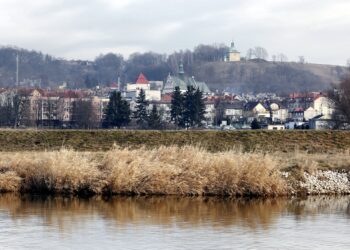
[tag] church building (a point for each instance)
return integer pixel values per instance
(182, 81)
(233, 54)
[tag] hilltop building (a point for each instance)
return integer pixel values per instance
(233, 54)
(182, 81)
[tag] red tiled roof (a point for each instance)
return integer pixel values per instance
(298, 110)
(114, 85)
(142, 79)
(66, 94)
(29, 91)
(167, 98)
(313, 95)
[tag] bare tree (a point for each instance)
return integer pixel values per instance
(341, 98)
(84, 115)
(250, 54)
(21, 111)
(261, 53)
(301, 59)
(6, 113)
(282, 58)
(51, 112)
(274, 58)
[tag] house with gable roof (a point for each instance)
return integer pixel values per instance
(141, 83)
(133, 89)
(256, 110)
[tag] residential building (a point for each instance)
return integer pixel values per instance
(234, 111)
(152, 94)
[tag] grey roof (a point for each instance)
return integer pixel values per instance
(233, 49)
(251, 105)
(183, 83)
(235, 105)
(317, 117)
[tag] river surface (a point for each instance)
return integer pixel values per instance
(28, 222)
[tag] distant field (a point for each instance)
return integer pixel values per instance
(102, 140)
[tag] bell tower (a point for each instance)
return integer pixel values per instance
(234, 55)
(181, 70)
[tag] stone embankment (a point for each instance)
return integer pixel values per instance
(326, 182)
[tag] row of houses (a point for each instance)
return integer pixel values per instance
(290, 113)
(47, 107)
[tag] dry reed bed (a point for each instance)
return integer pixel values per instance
(163, 171)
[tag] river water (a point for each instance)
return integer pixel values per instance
(28, 222)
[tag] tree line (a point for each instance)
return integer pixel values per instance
(43, 70)
(340, 95)
(253, 74)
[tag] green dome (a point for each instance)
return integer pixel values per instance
(233, 49)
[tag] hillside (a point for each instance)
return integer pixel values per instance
(268, 76)
(38, 69)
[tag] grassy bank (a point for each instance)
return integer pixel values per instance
(214, 141)
(161, 171)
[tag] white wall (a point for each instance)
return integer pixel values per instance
(310, 113)
(324, 106)
(135, 87)
(153, 95)
(233, 112)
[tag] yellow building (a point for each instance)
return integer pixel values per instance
(233, 54)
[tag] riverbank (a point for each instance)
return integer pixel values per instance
(186, 171)
(214, 141)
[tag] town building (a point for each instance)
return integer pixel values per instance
(151, 89)
(183, 82)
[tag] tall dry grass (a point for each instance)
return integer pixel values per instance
(64, 172)
(163, 171)
(191, 171)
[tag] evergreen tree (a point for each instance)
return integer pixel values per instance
(117, 113)
(7, 113)
(140, 113)
(189, 112)
(199, 108)
(255, 124)
(219, 112)
(154, 121)
(177, 107)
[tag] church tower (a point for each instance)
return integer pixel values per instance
(181, 71)
(234, 55)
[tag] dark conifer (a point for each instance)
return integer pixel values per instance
(117, 113)
(154, 120)
(177, 107)
(140, 113)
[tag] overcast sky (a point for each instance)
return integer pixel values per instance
(82, 29)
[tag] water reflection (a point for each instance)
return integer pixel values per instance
(120, 212)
